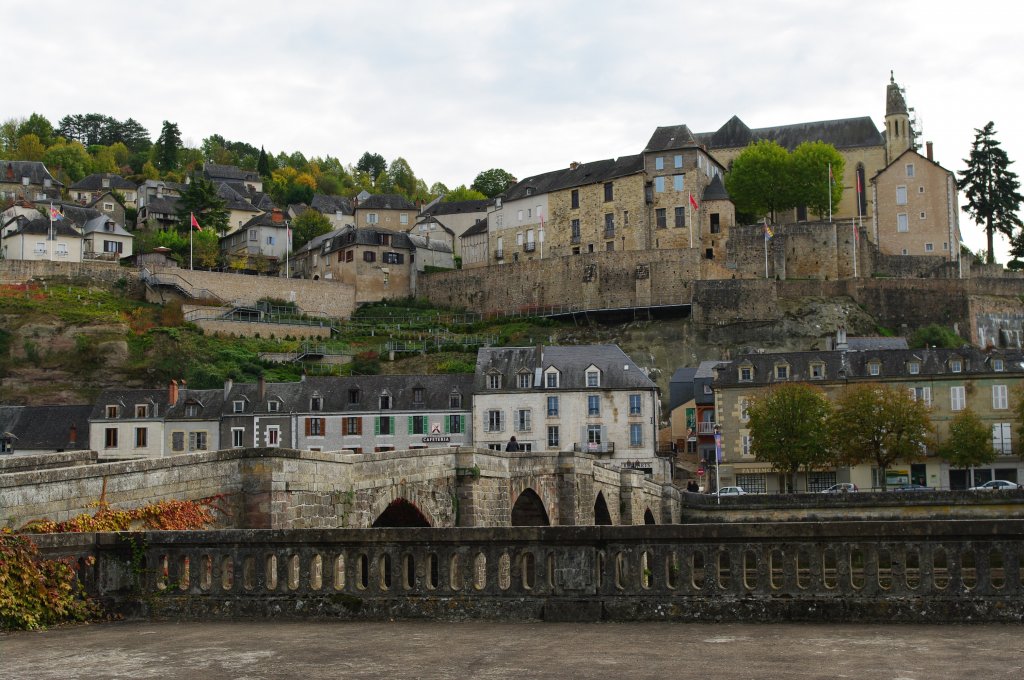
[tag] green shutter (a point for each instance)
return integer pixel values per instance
(412, 425)
(447, 424)
(392, 424)
(462, 424)
(376, 425)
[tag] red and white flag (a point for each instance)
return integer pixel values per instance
(195, 222)
(693, 202)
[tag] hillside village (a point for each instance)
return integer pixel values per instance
(653, 233)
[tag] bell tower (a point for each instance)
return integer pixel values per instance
(899, 130)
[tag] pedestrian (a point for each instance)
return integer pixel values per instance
(512, 445)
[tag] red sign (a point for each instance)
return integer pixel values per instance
(700, 472)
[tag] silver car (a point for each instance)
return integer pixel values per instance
(731, 491)
(996, 485)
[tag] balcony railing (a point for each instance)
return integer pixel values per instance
(499, 254)
(705, 427)
(596, 448)
(529, 246)
(576, 239)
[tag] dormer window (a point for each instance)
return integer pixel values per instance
(191, 410)
(997, 365)
(454, 400)
(914, 367)
(238, 406)
(782, 371)
(273, 406)
(874, 368)
(494, 381)
(418, 396)
(142, 410)
(385, 402)
(524, 381)
(956, 366)
(551, 378)
(529, 192)
(112, 410)
(316, 403)
(746, 373)
(593, 378)
(353, 396)
(817, 370)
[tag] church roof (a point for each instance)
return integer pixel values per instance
(715, 191)
(670, 138)
(843, 133)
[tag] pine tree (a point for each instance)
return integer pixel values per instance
(263, 165)
(168, 144)
(991, 189)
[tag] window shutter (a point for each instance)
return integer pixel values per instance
(447, 424)
(391, 429)
(412, 425)
(376, 425)
(501, 423)
(323, 427)
(359, 425)
(308, 428)
(604, 434)
(462, 424)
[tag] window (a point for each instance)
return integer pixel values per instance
(746, 442)
(523, 420)
(659, 184)
(609, 225)
(40, 248)
(680, 216)
(418, 396)
(901, 195)
(417, 424)
(456, 424)
(552, 407)
(929, 247)
(659, 162)
(593, 378)
(110, 438)
(369, 256)
(923, 215)
(553, 436)
(902, 225)
(519, 215)
(874, 368)
(273, 435)
(141, 411)
(524, 381)
(238, 406)
(744, 409)
(372, 218)
(678, 161)
(529, 213)
(999, 400)
(659, 218)
(403, 218)
(593, 405)
(112, 411)
(782, 372)
(956, 365)
(385, 402)
(922, 394)
(196, 441)
(270, 240)
(237, 434)
(384, 425)
(494, 381)
(609, 193)
(1001, 438)
(108, 246)
(454, 400)
(957, 400)
(575, 231)
(746, 373)
(177, 441)
(551, 379)
(253, 235)
(817, 371)
(273, 406)
(353, 396)
(352, 425)
(191, 410)
(316, 404)
(636, 434)
(575, 198)
(392, 258)
(997, 365)
(594, 433)
(677, 182)
(635, 405)
(315, 427)
(495, 421)
(141, 437)
(913, 368)
(910, 169)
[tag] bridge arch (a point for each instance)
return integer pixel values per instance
(602, 517)
(649, 517)
(421, 502)
(401, 513)
(529, 510)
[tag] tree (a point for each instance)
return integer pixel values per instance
(29, 148)
(205, 248)
(308, 226)
(167, 147)
(812, 185)
(872, 423)
(69, 158)
(373, 164)
(201, 199)
(461, 193)
(438, 189)
(786, 425)
(401, 178)
(936, 335)
(991, 189)
(492, 182)
(39, 126)
(263, 165)
(969, 443)
(759, 181)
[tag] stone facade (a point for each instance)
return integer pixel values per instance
(608, 216)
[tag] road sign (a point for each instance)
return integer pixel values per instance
(700, 472)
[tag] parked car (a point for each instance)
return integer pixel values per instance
(731, 491)
(910, 487)
(996, 485)
(842, 487)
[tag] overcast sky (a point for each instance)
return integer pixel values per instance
(458, 87)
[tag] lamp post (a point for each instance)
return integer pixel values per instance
(718, 460)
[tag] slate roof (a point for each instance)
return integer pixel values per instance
(386, 202)
(233, 199)
(263, 220)
(894, 100)
(457, 207)
(98, 224)
(670, 138)
(94, 182)
(618, 371)
(215, 171)
(840, 365)
(860, 344)
(40, 226)
(480, 227)
(680, 387)
(210, 402)
(436, 390)
(715, 190)
(127, 399)
(349, 235)
(317, 241)
(13, 171)
(49, 427)
(842, 133)
(262, 201)
(330, 205)
(77, 213)
(152, 184)
(583, 174)
(165, 204)
(422, 243)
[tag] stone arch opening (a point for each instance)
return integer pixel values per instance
(401, 513)
(601, 515)
(649, 517)
(529, 511)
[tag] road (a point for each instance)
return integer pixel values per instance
(314, 650)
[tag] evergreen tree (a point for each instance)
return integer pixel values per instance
(991, 189)
(201, 199)
(373, 164)
(263, 165)
(167, 147)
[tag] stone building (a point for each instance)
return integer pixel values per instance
(948, 380)
(449, 221)
(27, 181)
(473, 245)
(392, 212)
(261, 244)
(192, 420)
(129, 423)
(88, 189)
(378, 263)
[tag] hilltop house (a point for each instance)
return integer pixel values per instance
(27, 181)
(104, 239)
(383, 211)
(263, 244)
(41, 238)
(88, 189)
(233, 175)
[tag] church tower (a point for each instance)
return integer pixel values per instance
(899, 132)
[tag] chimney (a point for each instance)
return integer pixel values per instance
(276, 216)
(72, 436)
(841, 343)
(159, 190)
(228, 384)
(261, 388)
(574, 165)
(172, 393)
(928, 146)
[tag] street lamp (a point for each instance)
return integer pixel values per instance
(718, 460)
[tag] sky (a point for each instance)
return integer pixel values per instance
(529, 86)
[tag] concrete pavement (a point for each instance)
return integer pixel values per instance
(314, 650)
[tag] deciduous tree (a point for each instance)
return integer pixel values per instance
(69, 158)
(759, 181)
(816, 173)
(38, 125)
(872, 423)
(308, 226)
(787, 426)
(29, 148)
(492, 182)
(969, 442)
(992, 190)
(461, 193)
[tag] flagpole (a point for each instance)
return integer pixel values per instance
(829, 192)
(191, 219)
(50, 235)
(287, 248)
(765, 236)
(689, 217)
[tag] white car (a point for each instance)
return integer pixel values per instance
(842, 487)
(731, 491)
(996, 485)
